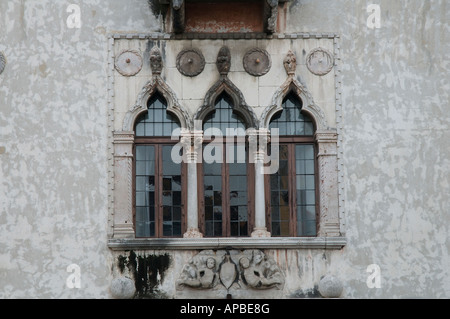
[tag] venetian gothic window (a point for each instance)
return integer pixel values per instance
(292, 191)
(159, 186)
(226, 193)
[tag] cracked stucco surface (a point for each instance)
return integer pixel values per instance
(396, 146)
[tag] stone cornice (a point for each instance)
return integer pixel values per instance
(235, 243)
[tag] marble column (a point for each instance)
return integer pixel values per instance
(259, 153)
(192, 145)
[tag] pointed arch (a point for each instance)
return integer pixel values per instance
(238, 102)
(156, 84)
(291, 85)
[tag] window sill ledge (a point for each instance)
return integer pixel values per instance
(231, 243)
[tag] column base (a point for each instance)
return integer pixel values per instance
(124, 231)
(193, 233)
(260, 232)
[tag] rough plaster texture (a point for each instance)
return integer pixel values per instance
(395, 146)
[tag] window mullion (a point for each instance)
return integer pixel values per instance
(293, 190)
(158, 191)
(225, 194)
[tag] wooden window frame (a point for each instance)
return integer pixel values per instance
(291, 142)
(158, 143)
(226, 227)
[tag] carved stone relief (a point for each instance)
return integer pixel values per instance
(290, 63)
(223, 61)
(128, 63)
(156, 63)
(257, 62)
(190, 62)
(319, 61)
(225, 269)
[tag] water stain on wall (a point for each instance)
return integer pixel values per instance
(148, 272)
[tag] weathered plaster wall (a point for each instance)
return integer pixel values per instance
(54, 139)
(53, 127)
(395, 93)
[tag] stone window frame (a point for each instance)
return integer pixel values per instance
(331, 233)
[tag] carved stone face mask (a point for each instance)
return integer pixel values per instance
(223, 60)
(155, 61)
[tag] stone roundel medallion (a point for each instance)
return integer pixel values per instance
(257, 62)
(190, 62)
(128, 63)
(319, 61)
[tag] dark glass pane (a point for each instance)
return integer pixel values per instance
(167, 213)
(167, 229)
(151, 183)
(177, 229)
(243, 228)
(275, 213)
(176, 198)
(176, 213)
(234, 212)
(167, 183)
(275, 198)
(209, 230)
(152, 228)
(284, 228)
(234, 229)
(217, 198)
(209, 213)
(283, 152)
(167, 198)
(283, 168)
(217, 213)
(274, 182)
(209, 196)
(276, 229)
(217, 228)
(151, 198)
